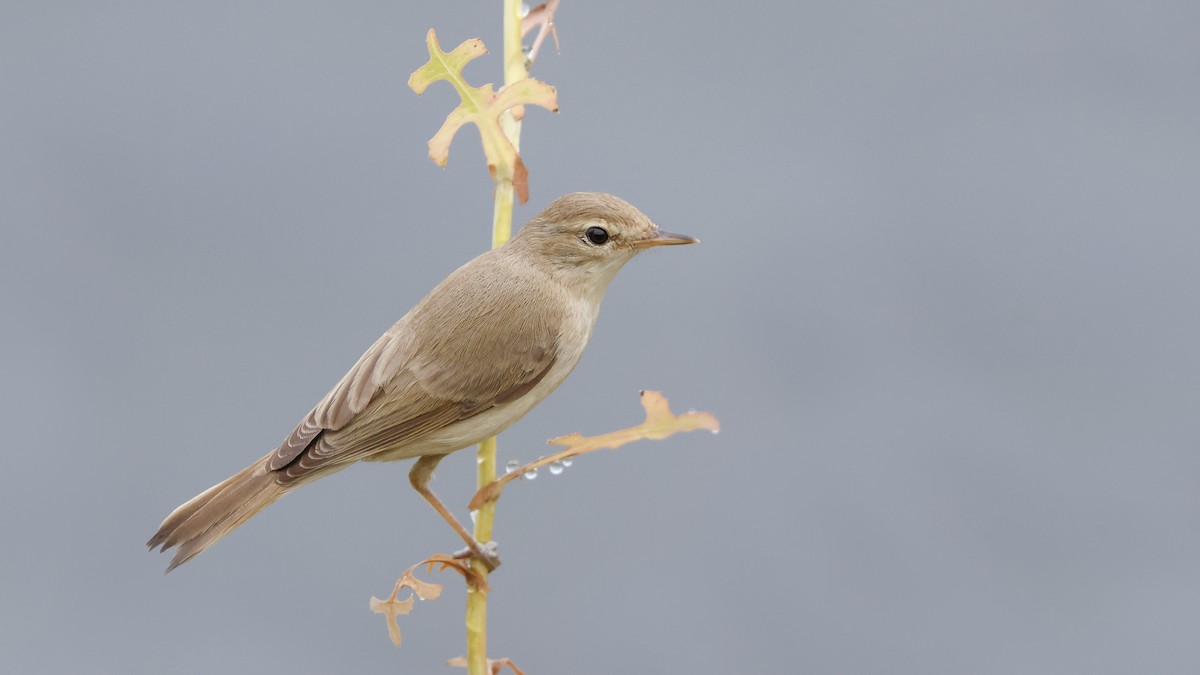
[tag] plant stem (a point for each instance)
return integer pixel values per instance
(476, 619)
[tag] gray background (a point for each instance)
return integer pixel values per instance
(945, 306)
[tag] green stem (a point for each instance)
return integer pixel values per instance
(476, 618)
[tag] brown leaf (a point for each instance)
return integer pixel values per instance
(494, 665)
(660, 423)
(543, 16)
(425, 590)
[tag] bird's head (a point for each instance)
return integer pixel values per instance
(591, 235)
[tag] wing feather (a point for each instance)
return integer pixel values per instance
(425, 373)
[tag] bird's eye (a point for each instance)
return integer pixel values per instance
(596, 235)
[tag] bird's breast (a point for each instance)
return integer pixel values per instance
(572, 340)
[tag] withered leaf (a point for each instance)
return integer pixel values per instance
(660, 423)
(425, 590)
(481, 106)
(392, 608)
(494, 665)
(543, 17)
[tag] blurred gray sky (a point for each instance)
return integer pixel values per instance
(945, 306)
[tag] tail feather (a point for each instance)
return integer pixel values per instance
(206, 518)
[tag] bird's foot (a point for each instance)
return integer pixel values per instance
(485, 553)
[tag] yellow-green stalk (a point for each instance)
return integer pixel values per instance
(514, 69)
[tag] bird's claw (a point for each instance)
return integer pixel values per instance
(484, 553)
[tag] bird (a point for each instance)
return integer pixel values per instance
(485, 346)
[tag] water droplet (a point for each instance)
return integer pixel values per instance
(556, 467)
(524, 9)
(511, 466)
(715, 432)
(474, 514)
(531, 474)
(568, 461)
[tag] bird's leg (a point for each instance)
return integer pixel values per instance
(419, 476)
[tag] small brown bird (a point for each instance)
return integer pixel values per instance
(485, 346)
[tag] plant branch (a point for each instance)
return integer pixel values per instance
(485, 518)
(660, 423)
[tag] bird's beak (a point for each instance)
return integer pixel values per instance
(664, 238)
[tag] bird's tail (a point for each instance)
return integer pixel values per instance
(214, 513)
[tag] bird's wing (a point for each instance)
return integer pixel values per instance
(426, 373)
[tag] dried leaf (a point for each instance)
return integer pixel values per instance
(494, 665)
(422, 589)
(392, 608)
(660, 423)
(481, 106)
(543, 16)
